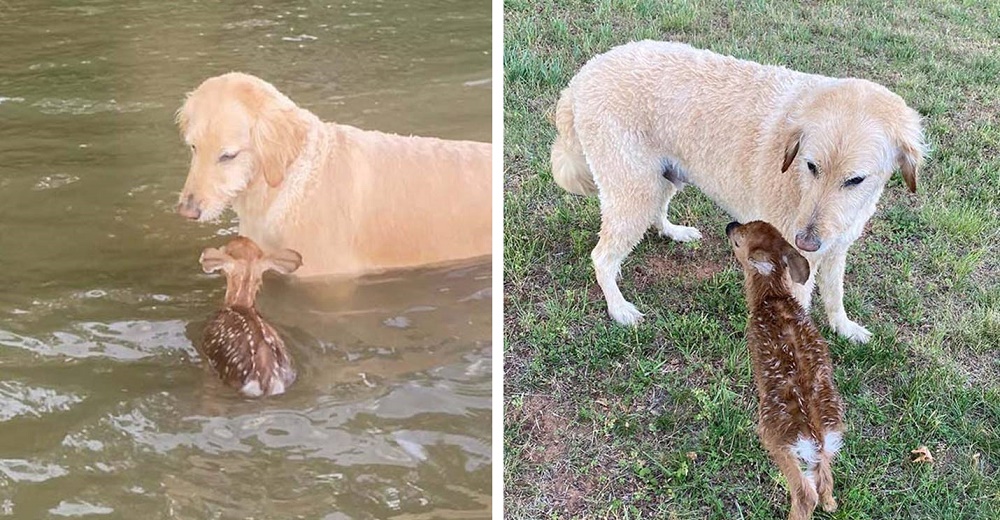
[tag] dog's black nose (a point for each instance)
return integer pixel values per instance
(731, 226)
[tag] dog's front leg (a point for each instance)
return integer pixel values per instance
(831, 288)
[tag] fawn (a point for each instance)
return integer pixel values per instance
(246, 352)
(800, 410)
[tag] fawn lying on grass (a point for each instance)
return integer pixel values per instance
(246, 352)
(800, 410)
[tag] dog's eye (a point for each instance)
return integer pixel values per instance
(853, 181)
(812, 167)
(228, 156)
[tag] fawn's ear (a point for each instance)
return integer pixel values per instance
(798, 266)
(760, 261)
(285, 261)
(213, 259)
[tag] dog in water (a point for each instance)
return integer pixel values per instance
(246, 351)
(350, 201)
(808, 153)
(800, 410)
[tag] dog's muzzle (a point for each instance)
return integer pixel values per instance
(188, 208)
(807, 241)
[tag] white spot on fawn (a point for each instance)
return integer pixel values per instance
(252, 389)
(832, 442)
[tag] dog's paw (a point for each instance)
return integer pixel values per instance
(625, 314)
(830, 505)
(680, 233)
(852, 331)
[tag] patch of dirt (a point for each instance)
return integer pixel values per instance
(549, 431)
(681, 263)
(546, 427)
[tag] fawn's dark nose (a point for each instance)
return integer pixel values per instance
(807, 240)
(731, 226)
(188, 208)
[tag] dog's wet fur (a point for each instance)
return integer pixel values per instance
(809, 154)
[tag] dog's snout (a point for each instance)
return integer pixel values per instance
(807, 240)
(730, 227)
(188, 208)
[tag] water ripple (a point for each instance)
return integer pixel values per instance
(80, 106)
(57, 180)
(18, 399)
(20, 470)
(79, 509)
(121, 341)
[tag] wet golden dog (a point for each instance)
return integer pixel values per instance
(808, 153)
(800, 411)
(349, 200)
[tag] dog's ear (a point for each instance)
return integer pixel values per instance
(797, 265)
(285, 261)
(761, 261)
(213, 259)
(278, 136)
(910, 147)
(791, 149)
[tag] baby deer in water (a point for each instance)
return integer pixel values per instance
(246, 352)
(800, 410)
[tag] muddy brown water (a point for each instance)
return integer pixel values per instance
(105, 410)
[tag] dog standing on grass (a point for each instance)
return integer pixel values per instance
(800, 411)
(808, 153)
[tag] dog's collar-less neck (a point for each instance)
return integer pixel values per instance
(274, 203)
(293, 187)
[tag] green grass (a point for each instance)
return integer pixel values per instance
(603, 421)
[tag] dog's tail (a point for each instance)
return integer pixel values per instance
(569, 166)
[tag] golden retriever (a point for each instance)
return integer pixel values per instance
(349, 200)
(809, 154)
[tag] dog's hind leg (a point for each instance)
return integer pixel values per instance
(622, 227)
(628, 207)
(669, 229)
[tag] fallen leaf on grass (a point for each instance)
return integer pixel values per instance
(922, 455)
(692, 455)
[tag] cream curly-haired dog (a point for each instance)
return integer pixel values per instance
(806, 153)
(349, 200)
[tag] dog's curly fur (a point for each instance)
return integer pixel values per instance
(807, 153)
